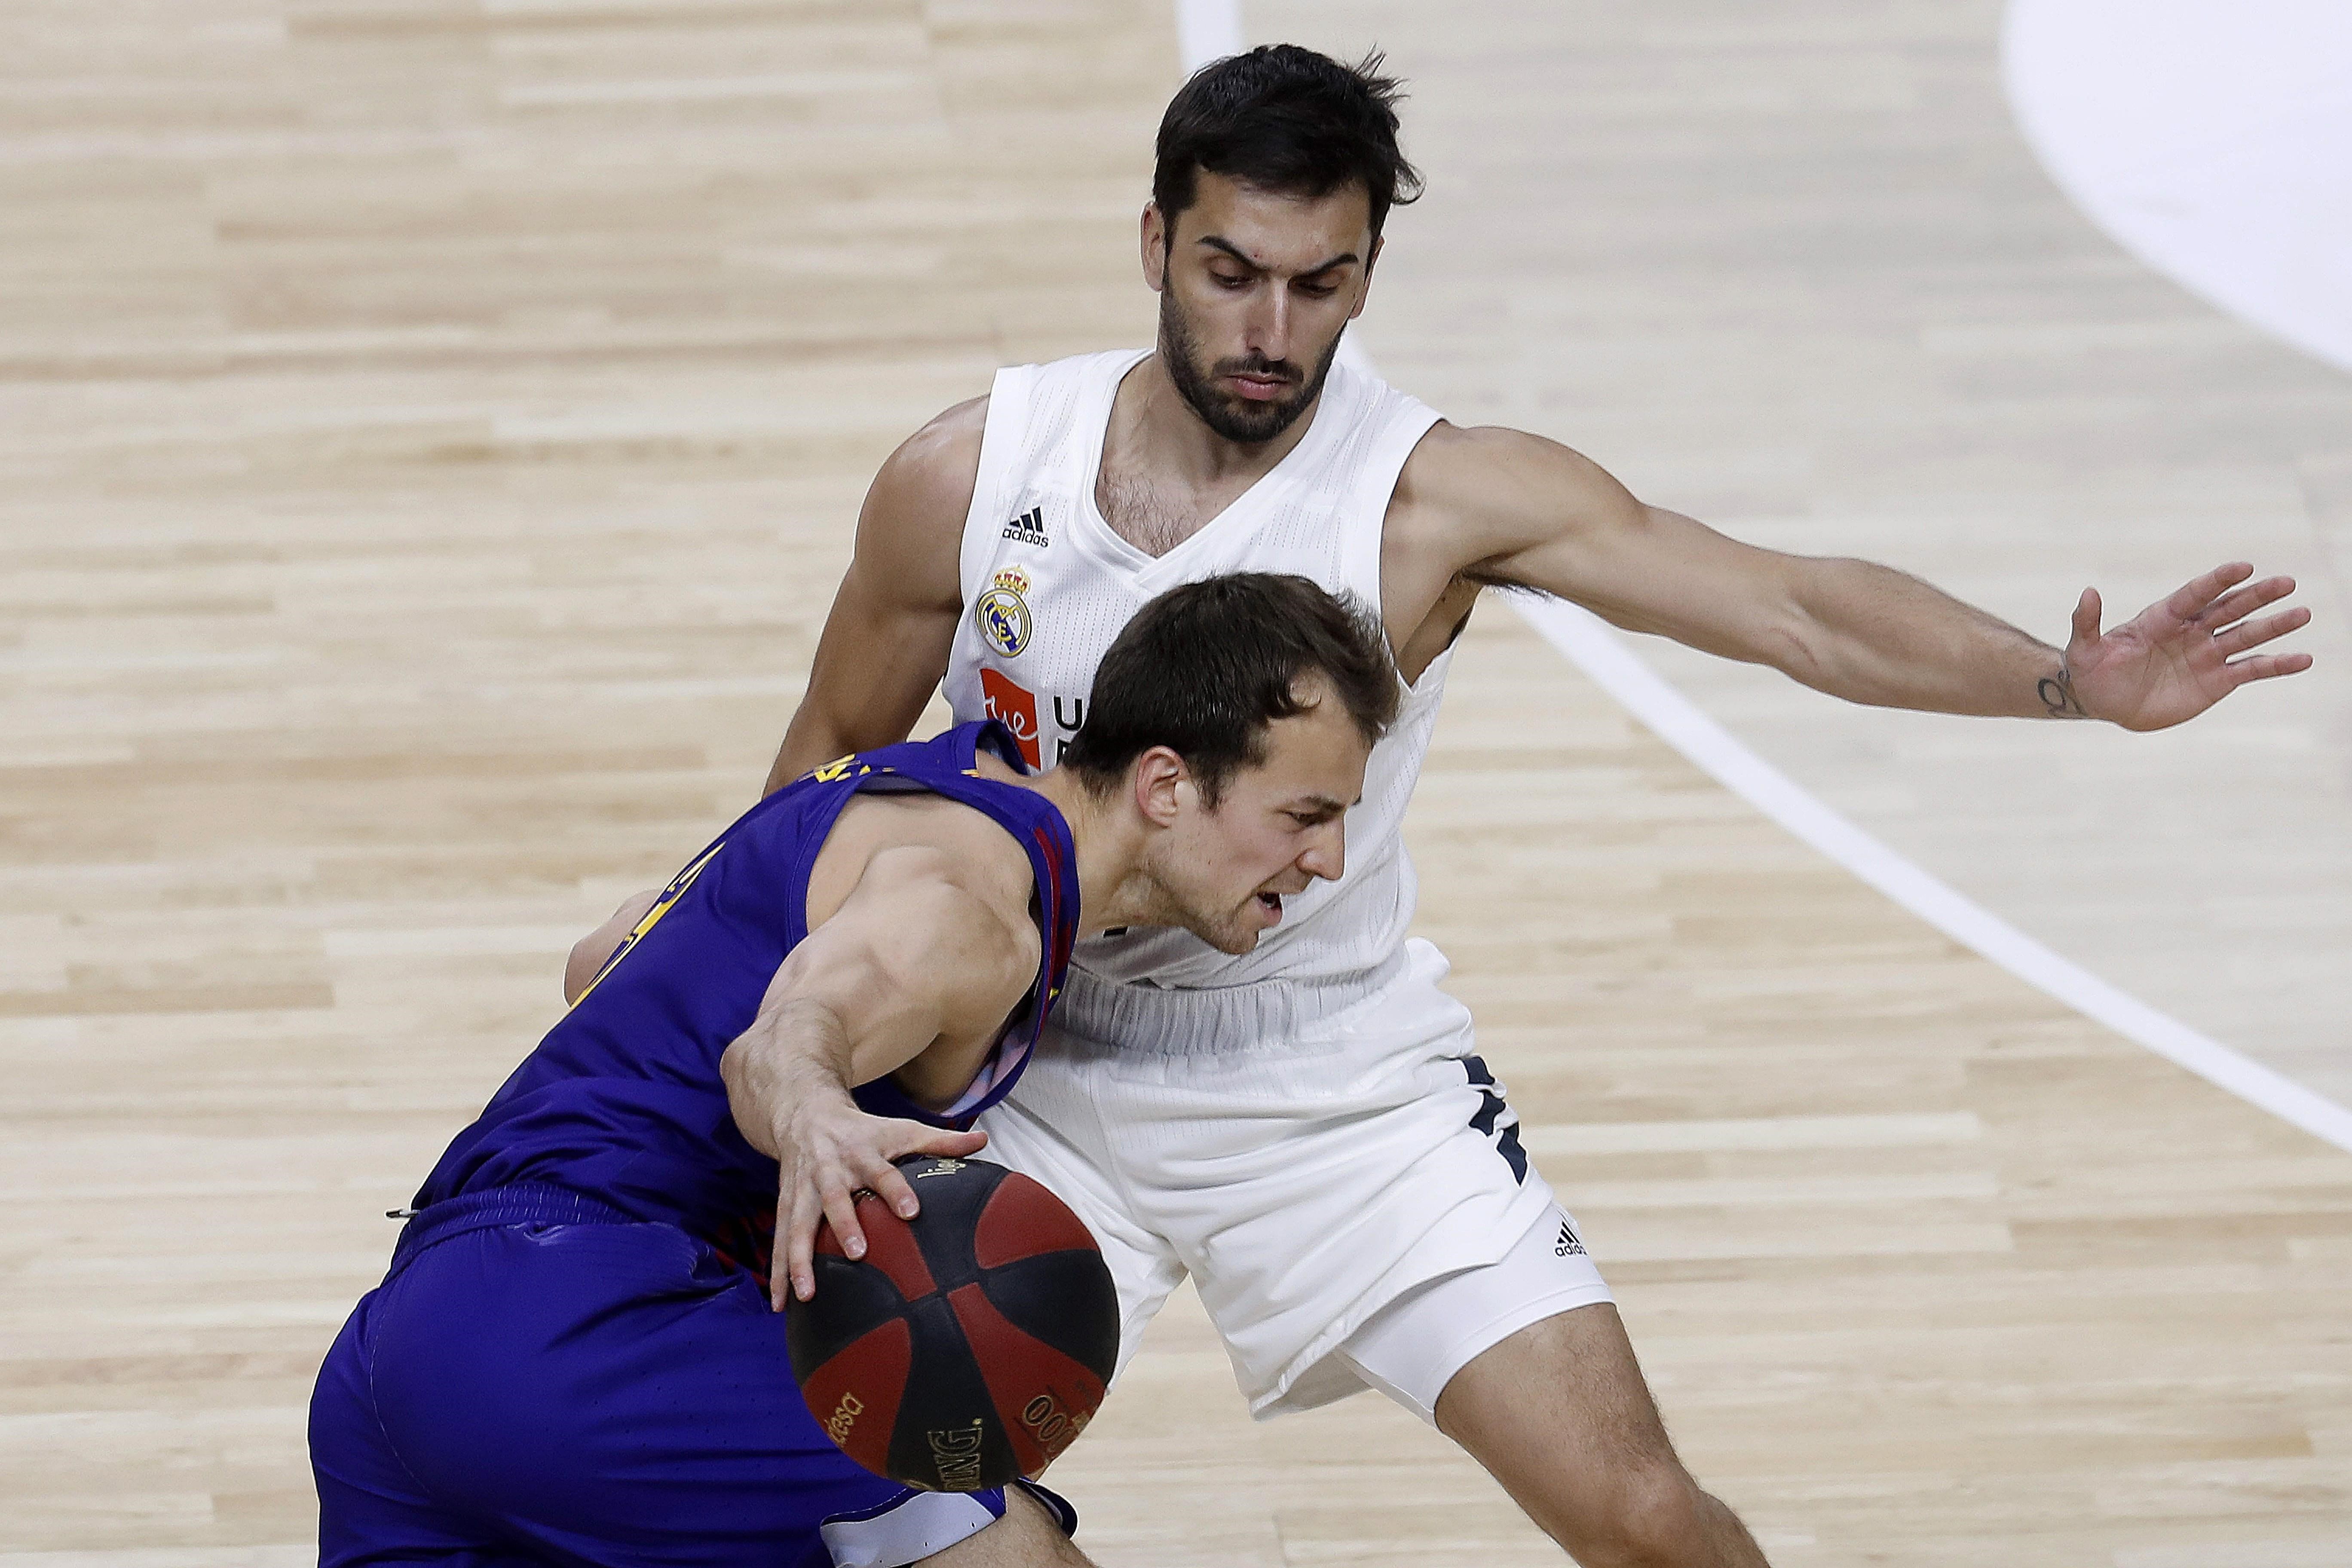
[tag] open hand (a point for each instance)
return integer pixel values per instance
(2176, 658)
(829, 1151)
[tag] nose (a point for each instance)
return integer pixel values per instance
(1269, 322)
(1325, 855)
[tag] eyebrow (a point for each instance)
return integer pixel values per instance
(1217, 242)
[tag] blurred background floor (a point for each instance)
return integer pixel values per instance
(429, 437)
(1797, 274)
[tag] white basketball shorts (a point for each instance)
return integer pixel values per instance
(1312, 1154)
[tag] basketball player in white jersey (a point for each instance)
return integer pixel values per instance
(1304, 1127)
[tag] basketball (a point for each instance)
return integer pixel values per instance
(971, 1344)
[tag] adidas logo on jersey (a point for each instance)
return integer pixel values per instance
(1029, 528)
(1567, 1246)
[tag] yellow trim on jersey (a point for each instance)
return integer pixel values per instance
(670, 895)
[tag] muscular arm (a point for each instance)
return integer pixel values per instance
(913, 976)
(885, 644)
(1510, 508)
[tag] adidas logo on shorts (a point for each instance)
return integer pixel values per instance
(1567, 1246)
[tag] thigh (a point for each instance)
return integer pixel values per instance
(1559, 1413)
(1411, 1349)
(614, 1395)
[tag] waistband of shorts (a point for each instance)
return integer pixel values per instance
(523, 1203)
(1211, 1019)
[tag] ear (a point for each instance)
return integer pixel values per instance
(1155, 248)
(1365, 294)
(1162, 786)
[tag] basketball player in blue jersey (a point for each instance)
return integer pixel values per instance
(573, 1358)
(1307, 1128)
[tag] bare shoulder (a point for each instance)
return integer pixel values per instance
(957, 908)
(1460, 469)
(935, 469)
(1468, 494)
(954, 857)
(953, 435)
(1449, 457)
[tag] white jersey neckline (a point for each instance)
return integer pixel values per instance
(1265, 493)
(1048, 587)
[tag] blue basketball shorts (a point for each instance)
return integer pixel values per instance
(541, 1379)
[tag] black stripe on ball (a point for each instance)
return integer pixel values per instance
(1065, 1300)
(852, 1300)
(949, 1436)
(952, 1193)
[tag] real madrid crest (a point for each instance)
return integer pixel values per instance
(1004, 614)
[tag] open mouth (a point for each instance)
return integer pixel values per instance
(1272, 904)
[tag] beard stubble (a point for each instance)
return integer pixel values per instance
(1238, 420)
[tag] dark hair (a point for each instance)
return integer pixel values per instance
(1286, 119)
(1202, 670)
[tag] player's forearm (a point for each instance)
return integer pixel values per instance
(883, 649)
(811, 740)
(835, 1019)
(1870, 634)
(865, 695)
(1862, 632)
(792, 1055)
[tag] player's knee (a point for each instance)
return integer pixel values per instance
(1646, 1514)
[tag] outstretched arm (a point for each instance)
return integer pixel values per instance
(885, 639)
(1528, 513)
(913, 976)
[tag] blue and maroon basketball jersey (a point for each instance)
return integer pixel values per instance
(622, 1099)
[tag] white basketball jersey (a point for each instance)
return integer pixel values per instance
(1048, 585)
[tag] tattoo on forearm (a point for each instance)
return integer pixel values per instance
(2057, 693)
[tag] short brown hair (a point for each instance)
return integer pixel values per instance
(1202, 670)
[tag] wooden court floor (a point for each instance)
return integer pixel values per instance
(1794, 270)
(428, 433)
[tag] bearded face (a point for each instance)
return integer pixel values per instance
(1255, 288)
(1207, 383)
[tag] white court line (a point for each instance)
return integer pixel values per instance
(1602, 654)
(1207, 30)
(2214, 143)
(1210, 29)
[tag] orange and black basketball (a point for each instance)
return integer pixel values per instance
(971, 1344)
